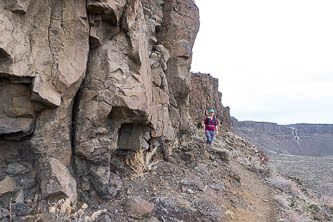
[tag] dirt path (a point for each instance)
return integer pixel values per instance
(258, 196)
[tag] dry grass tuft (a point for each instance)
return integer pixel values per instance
(95, 215)
(61, 210)
(10, 210)
(282, 201)
(174, 144)
(142, 162)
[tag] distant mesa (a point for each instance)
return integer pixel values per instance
(295, 139)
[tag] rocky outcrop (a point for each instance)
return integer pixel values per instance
(43, 50)
(56, 181)
(91, 90)
(295, 139)
(178, 31)
(80, 80)
(126, 99)
(205, 96)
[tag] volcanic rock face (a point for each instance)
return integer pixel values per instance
(130, 60)
(295, 139)
(205, 96)
(125, 99)
(178, 32)
(43, 55)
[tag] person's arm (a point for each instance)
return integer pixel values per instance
(217, 128)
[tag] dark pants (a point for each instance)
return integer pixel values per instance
(210, 136)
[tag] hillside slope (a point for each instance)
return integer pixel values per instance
(228, 181)
(201, 183)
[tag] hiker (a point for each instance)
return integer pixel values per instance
(211, 126)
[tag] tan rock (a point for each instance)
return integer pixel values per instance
(160, 96)
(138, 208)
(7, 185)
(18, 6)
(45, 93)
(56, 180)
(15, 125)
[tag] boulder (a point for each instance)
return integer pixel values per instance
(138, 208)
(105, 182)
(56, 181)
(8, 184)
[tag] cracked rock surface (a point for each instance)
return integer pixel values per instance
(81, 84)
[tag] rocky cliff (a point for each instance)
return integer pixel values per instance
(81, 79)
(95, 96)
(295, 139)
(205, 96)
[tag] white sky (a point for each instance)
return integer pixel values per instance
(273, 58)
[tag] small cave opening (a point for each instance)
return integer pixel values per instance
(17, 116)
(133, 137)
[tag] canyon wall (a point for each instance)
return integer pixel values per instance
(205, 96)
(81, 79)
(295, 139)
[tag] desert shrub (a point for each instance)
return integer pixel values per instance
(327, 201)
(292, 216)
(61, 210)
(286, 185)
(282, 201)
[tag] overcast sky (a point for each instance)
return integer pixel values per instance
(273, 58)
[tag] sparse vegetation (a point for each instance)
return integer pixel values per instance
(292, 216)
(315, 173)
(327, 201)
(286, 185)
(142, 162)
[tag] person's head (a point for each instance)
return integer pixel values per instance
(211, 112)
